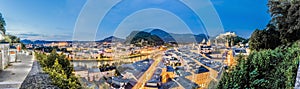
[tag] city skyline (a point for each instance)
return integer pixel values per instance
(143, 44)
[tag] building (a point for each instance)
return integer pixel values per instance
(172, 61)
(4, 57)
(200, 77)
(205, 49)
(239, 51)
(13, 54)
(230, 61)
(81, 72)
(167, 73)
(119, 82)
(94, 74)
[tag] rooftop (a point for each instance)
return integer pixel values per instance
(186, 83)
(170, 69)
(201, 69)
(93, 70)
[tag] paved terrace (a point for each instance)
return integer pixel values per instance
(13, 76)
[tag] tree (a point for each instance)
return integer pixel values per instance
(264, 39)
(286, 18)
(11, 38)
(7, 38)
(238, 39)
(255, 40)
(266, 69)
(284, 25)
(273, 63)
(60, 70)
(50, 59)
(58, 67)
(2, 24)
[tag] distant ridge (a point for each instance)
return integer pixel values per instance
(166, 37)
(108, 39)
(163, 35)
(26, 41)
(112, 39)
(179, 38)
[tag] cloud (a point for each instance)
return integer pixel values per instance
(29, 34)
(41, 36)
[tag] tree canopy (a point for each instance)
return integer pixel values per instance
(265, 69)
(283, 28)
(238, 39)
(273, 62)
(2, 24)
(264, 39)
(7, 37)
(60, 70)
(286, 18)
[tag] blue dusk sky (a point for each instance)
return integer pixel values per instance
(57, 19)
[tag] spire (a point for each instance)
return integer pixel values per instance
(203, 41)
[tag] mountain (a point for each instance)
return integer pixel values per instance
(142, 38)
(179, 38)
(112, 39)
(166, 37)
(108, 39)
(41, 42)
(25, 41)
(200, 37)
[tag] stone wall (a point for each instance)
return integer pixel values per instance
(37, 79)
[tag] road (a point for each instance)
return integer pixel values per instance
(148, 74)
(13, 76)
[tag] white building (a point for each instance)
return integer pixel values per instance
(4, 57)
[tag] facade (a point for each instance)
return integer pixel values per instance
(205, 49)
(167, 73)
(200, 77)
(13, 54)
(4, 57)
(81, 72)
(94, 74)
(230, 61)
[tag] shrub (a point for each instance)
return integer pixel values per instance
(60, 70)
